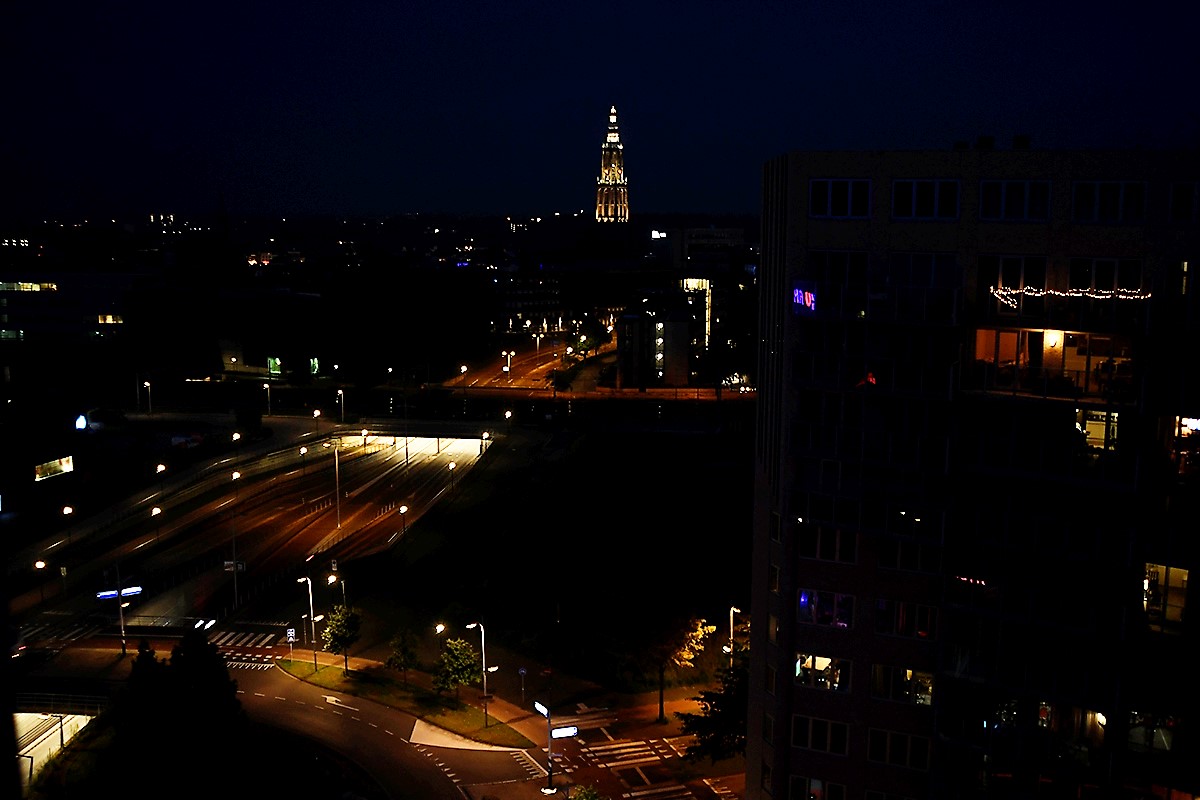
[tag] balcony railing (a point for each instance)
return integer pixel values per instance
(1117, 386)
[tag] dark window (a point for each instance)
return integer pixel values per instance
(902, 199)
(1039, 200)
(859, 199)
(947, 200)
(1085, 202)
(819, 199)
(1183, 202)
(1014, 201)
(990, 200)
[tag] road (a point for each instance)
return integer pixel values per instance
(611, 751)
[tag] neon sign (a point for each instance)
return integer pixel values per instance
(804, 299)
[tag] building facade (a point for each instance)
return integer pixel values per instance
(612, 190)
(973, 477)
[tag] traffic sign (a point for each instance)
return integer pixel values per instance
(291, 635)
(564, 732)
(541, 709)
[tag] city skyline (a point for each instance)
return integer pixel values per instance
(373, 110)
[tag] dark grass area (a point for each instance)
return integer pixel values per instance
(573, 552)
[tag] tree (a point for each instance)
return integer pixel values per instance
(587, 793)
(720, 727)
(403, 654)
(174, 713)
(678, 646)
(457, 665)
(341, 632)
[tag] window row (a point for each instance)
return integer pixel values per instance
(884, 747)
(892, 617)
(1104, 202)
(801, 788)
(823, 735)
(888, 682)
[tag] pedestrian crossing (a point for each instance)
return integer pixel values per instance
(247, 649)
(240, 661)
(245, 639)
(527, 763)
(57, 633)
(625, 753)
(664, 791)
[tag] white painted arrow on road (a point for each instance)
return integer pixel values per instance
(336, 702)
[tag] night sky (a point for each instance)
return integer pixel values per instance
(378, 108)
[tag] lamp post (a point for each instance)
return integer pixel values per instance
(332, 579)
(40, 565)
(732, 611)
(337, 485)
(403, 520)
(311, 618)
(483, 653)
(483, 442)
(545, 712)
(120, 608)
(452, 466)
(303, 452)
(342, 403)
(508, 354)
(149, 399)
(508, 420)
(267, 386)
(316, 420)
(236, 475)
(154, 512)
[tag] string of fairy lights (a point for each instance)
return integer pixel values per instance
(1009, 296)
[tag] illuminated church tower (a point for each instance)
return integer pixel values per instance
(612, 194)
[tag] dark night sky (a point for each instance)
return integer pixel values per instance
(370, 107)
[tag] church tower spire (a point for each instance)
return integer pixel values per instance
(612, 194)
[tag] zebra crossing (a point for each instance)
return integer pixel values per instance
(247, 649)
(244, 639)
(531, 767)
(626, 753)
(55, 634)
(664, 791)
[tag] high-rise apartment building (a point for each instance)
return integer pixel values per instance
(975, 476)
(612, 191)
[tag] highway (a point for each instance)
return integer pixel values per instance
(339, 499)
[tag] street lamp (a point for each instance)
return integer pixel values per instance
(149, 399)
(267, 386)
(483, 442)
(317, 420)
(342, 403)
(732, 611)
(483, 652)
(332, 579)
(452, 466)
(311, 618)
(403, 520)
(40, 564)
(236, 475)
(337, 485)
(303, 451)
(508, 354)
